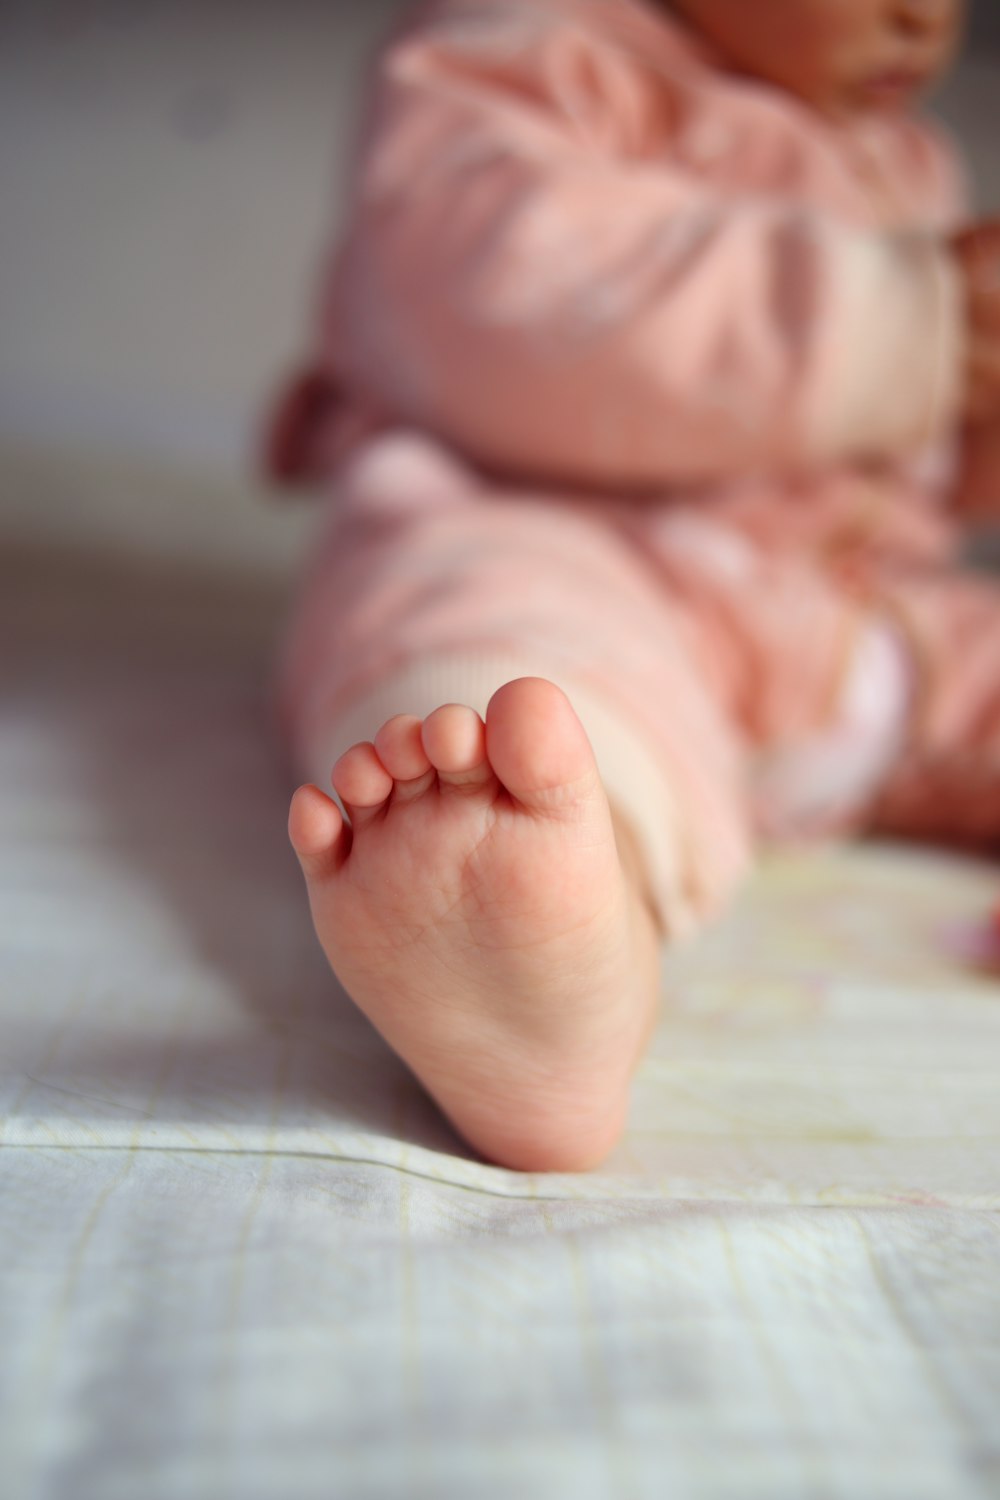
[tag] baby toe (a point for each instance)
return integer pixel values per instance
(317, 833)
(362, 782)
(400, 749)
(454, 738)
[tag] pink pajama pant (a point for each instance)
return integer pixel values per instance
(732, 696)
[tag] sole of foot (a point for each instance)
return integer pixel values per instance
(476, 908)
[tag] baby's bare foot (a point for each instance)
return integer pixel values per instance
(477, 911)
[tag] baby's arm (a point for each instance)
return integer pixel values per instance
(517, 282)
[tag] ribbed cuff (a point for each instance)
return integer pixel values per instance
(891, 373)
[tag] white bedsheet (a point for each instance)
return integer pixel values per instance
(242, 1254)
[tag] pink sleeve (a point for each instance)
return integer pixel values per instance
(515, 282)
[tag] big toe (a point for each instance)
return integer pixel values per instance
(538, 747)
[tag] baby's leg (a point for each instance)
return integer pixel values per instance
(486, 915)
(479, 903)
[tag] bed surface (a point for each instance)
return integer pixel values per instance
(245, 1256)
(242, 1257)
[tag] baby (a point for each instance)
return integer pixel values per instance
(649, 367)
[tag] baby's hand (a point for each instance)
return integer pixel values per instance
(977, 251)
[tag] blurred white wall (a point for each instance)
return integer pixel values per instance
(168, 170)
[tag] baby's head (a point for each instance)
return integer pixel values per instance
(842, 56)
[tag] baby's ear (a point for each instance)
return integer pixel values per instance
(290, 453)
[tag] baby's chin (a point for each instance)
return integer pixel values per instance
(858, 101)
(891, 93)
